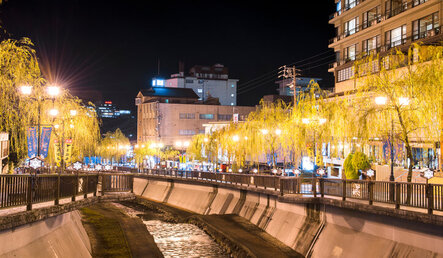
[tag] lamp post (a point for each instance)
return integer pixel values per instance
(52, 92)
(382, 101)
(311, 121)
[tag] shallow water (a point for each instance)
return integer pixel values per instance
(178, 239)
(183, 240)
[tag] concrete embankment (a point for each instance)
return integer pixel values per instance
(309, 228)
(59, 236)
(54, 231)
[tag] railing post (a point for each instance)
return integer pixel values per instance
(281, 187)
(132, 183)
(29, 195)
(75, 184)
(103, 184)
(322, 187)
(85, 191)
(96, 186)
(430, 193)
(397, 195)
(57, 193)
(343, 189)
(275, 183)
(314, 186)
(371, 192)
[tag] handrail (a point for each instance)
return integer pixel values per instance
(420, 195)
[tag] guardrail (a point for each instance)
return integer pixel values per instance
(426, 196)
(16, 190)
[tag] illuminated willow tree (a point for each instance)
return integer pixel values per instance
(19, 67)
(399, 96)
(114, 145)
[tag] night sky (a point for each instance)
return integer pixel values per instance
(110, 49)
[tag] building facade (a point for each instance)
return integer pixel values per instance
(375, 27)
(365, 27)
(171, 115)
(207, 81)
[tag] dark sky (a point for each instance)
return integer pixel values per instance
(113, 47)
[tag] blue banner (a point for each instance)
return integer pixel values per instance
(45, 139)
(32, 142)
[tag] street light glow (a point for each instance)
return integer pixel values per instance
(178, 143)
(56, 126)
(73, 112)
(381, 100)
(305, 120)
(206, 139)
(403, 101)
(26, 90)
(53, 91)
(53, 112)
(277, 131)
(322, 121)
(186, 143)
(235, 138)
(264, 131)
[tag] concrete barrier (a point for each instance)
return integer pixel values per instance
(309, 228)
(58, 236)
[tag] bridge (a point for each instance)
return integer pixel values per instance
(314, 216)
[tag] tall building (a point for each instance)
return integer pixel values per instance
(173, 115)
(206, 81)
(364, 27)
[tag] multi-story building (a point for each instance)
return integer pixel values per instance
(285, 86)
(173, 115)
(364, 27)
(207, 81)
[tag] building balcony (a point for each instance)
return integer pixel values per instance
(374, 21)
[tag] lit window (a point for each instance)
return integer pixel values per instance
(199, 90)
(232, 85)
(232, 104)
(232, 95)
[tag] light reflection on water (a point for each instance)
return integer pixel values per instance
(183, 240)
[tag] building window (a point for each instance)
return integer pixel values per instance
(186, 132)
(351, 26)
(396, 37)
(189, 81)
(201, 81)
(371, 17)
(350, 4)
(345, 74)
(232, 95)
(199, 90)
(232, 103)
(350, 53)
(187, 116)
(206, 116)
(394, 7)
(338, 7)
(417, 2)
(232, 85)
(370, 45)
(426, 27)
(224, 117)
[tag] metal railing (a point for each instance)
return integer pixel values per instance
(426, 196)
(16, 190)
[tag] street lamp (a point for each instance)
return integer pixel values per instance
(381, 101)
(52, 91)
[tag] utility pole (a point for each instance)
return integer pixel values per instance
(290, 72)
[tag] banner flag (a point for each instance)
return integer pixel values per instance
(45, 140)
(32, 142)
(57, 153)
(67, 151)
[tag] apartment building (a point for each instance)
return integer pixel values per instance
(173, 115)
(207, 81)
(365, 27)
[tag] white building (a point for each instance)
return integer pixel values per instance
(207, 82)
(4, 150)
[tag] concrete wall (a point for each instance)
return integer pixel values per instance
(58, 236)
(322, 230)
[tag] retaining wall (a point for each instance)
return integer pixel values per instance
(318, 229)
(58, 236)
